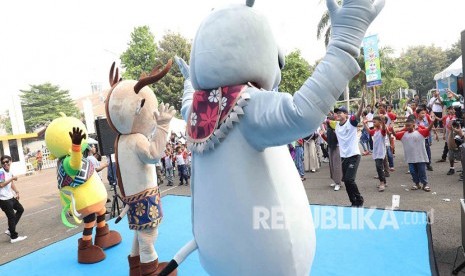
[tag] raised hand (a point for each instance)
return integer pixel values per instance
(164, 114)
(77, 136)
(183, 67)
(350, 21)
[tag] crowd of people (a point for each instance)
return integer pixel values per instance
(337, 142)
(372, 129)
(176, 158)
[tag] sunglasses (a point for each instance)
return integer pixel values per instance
(5, 162)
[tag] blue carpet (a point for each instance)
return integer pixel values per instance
(350, 241)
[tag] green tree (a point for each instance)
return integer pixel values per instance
(42, 103)
(5, 123)
(170, 88)
(454, 52)
(390, 74)
(419, 64)
(140, 55)
(295, 72)
(143, 54)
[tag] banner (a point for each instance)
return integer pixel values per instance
(372, 61)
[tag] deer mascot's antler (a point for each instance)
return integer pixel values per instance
(154, 76)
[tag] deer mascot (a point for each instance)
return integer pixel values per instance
(142, 126)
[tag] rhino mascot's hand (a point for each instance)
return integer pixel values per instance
(350, 22)
(183, 67)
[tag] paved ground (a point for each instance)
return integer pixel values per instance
(41, 221)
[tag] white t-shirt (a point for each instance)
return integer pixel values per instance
(379, 146)
(408, 111)
(435, 105)
(6, 192)
(347, 138)
(370, 119)
(414, 145)
(168, 162)
(180, 159)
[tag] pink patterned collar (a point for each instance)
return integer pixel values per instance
(212, 113)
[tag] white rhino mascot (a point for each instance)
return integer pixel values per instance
(250, 212)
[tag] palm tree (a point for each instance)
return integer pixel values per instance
(324, 26)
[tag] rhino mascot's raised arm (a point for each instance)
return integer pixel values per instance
(250, 211)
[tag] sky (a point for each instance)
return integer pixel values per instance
(73, 43)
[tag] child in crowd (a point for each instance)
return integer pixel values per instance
(168, 161)
(182, 170)
(365, 136)
(299, 158)
(423, 119)
(378, 134)
(415, 151)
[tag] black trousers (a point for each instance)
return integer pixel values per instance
(380, 169)
(445, 151)
(438, 122)
(9, 207)
(349, 173)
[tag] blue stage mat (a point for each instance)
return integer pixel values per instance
(350, 241)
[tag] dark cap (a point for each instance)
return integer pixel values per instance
(410, 119)
(341, 109)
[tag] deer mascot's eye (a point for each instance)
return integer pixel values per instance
(139, 106)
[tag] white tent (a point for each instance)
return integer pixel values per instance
(455, 69)
(177, 126)
(450, 77)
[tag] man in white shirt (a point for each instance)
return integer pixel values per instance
(346, 132)
(435, 104)
(9, 199)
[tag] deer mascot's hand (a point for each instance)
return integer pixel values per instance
(164, 115)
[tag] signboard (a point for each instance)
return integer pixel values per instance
(372, 61)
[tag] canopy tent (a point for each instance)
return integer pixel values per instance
(177, 126)
(451, 77)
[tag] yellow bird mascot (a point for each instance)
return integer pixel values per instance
(81, 188)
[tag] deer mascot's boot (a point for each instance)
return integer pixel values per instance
(134, 265)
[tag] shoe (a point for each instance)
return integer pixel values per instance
(392, 169)
(312, 171)
(429, 168)
(325, 160)
(426, 188)
(7, 232)
(18, 239)
(332, 184)
(337, 187)
(415, 187)
(381, 188)
(386, 175)
(441, 160)
(451, 172)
